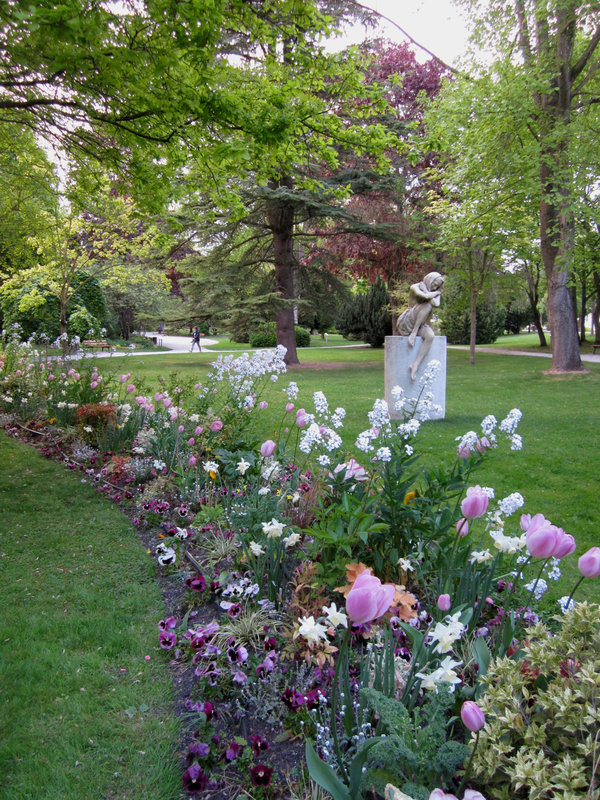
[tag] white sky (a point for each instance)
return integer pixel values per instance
(435, 24)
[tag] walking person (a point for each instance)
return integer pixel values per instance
(195, 339)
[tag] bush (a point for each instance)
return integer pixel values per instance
(266, 336)
(542, 727)
(367, 316)
(456, 324)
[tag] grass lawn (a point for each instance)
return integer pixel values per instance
(557, 469)
(83, 714)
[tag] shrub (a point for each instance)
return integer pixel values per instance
(456, 324)
(266, 336)
(367, 316)
(541, 735)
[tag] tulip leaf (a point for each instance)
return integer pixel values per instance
(324, 775)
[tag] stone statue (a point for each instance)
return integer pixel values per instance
(422, 299)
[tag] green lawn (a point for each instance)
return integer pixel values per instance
(83, 713)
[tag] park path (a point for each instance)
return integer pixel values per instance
(182, 344)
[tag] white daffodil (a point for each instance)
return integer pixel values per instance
(256, 549)
(243, 466)
(334, 616)
(405, 565)
(292, 539)
(273, 529)
(311, 630)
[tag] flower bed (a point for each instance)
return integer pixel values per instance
(353, 609)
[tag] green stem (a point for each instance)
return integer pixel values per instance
(468, 768)
(535, 583)
(573, 592)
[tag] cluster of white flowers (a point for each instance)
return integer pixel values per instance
(566, 603)
(321, 404)
(539, 587)
(513, 502)
(384, 454)
(241, 372)
(480, 556)
(291, 390)
(446, 633)
(488, 426)
(510, 423)
(379, 416)
(445, 673)
(554, 572)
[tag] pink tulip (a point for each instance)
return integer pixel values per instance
(289, 407)
(158, 396)
(462, 526)
(525, 521)
(263, 404)
(94, 385)
(475, 503)
(472, 716)
(216, 425)
(180, 428)
(443, 602)
(198, 430)
(192, 461)
(483, 444)
(191, 441)
(438, 794)
(368, 599)
(541, 537)
(589, 563)
(565, 544)
(167, 402)
(472, 794)
(131, 388)
(267, 448)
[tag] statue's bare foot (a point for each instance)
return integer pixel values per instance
(411, 339)
(413, 371)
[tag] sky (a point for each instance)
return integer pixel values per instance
(435, 24)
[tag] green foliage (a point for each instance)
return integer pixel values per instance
(415, 752)
(83, 324)
(455, 323)
(367, 316)
(542, 728)
(265, 336)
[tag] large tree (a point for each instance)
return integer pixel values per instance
(229, 88)
(546, 73)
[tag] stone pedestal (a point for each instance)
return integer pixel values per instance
(398, 358)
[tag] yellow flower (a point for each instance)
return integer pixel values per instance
(410, 496)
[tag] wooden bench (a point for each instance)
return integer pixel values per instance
(595, 347)
(100, 344)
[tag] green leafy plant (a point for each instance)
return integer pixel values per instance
(542, 731)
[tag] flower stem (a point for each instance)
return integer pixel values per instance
(468, 768)
(573, 592)
(334, 692)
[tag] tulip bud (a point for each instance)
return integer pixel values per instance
(589, 563)
(443, 602)
(472, 716)
(267, 448)
(475, 503)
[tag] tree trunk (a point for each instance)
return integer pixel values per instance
(473, 331)
(596, 309)
(556, 241)
(584, 299)
(280, 213)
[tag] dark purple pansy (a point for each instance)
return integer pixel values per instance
(261, 775)
(167, 639)
(259, 744)
(196, 583)
(194, 779)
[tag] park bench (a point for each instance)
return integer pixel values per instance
(100, 344)
(595, 347)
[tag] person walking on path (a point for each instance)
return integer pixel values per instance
(195, 339)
